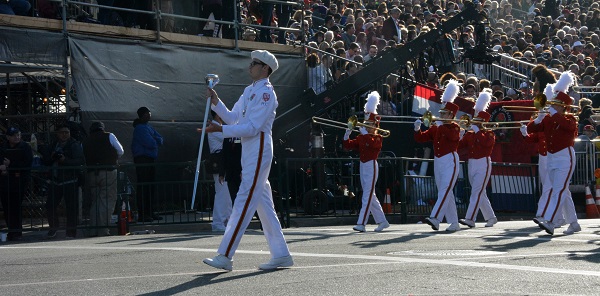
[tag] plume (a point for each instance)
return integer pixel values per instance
(564, 82)
(483, 101)
(451, 91)
(372, 102)
(549, 92)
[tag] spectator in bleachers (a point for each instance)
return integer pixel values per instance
(348, 36)
(391, 29)
(15, 7)
(371, 53)
(316, 73)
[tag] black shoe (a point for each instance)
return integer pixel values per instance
(157, 217)
(51, 234)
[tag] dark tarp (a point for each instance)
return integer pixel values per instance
(114, 77)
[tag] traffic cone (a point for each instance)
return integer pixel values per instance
(123, 219)
(591, 211)
(387, 202)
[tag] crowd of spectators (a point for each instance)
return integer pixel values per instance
(343, 36)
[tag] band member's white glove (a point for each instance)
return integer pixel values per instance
(347, 134)
(540, 117)
(418, 125)
(439, 122)
(523, 130)
(362, 130)
(350, 125)
(474, 128)
(551, 110)
(462, 133)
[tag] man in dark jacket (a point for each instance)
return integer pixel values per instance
(66, 159)
(16, 157)
(102, 151)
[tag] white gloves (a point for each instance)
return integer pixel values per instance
(474, 128)
(362, 130)
(523, 130)
(418, 125)
(347, 134)
(462, 133)
(540, 117)
(552, 111)
(350, 125)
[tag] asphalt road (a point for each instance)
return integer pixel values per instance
(512, 258)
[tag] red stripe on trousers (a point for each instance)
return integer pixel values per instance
(485, 181)
(250, 195)
(564, 185)
(449, 188)
(370, 197)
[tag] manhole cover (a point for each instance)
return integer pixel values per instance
(447, 253)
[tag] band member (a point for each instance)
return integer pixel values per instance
(540, 139)
(368, 145)
(445, 136)
(480, 142)
(251, 119)
(560, 130)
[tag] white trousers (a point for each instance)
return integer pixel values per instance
(446, 174)
(560, 170)
(369, 171)
(222, 206)
(253, 196)
(546, 188)
(480, 171)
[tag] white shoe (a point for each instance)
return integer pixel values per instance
(453, 227)
(547, 226)
(491, 222)
(359, 228)
(467, 222)
(219, 261)
(274, 263)
(381, 226)
(433, 222)
(573, 227)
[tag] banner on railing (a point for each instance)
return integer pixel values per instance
(510, 145)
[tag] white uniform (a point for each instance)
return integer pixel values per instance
(251, 119)
(560, 170)
(222, 206)
(546, 189)
(480, 171)
(446, 174)
(369, 171)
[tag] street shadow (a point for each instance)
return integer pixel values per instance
(204, 280)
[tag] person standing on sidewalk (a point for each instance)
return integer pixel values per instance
(251, 118)
(144, 147)
(480, 143)
(560, 130)
(445, 135)
(102, 151)
(16, 158)
(368, 144)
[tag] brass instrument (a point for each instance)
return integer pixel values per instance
(540, 103)
(352, 124)
(427, 118)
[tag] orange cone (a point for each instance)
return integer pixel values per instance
(591, 211)
(387, 202)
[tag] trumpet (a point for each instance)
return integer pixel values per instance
(352, 124)
(540, 104)
(427, 118)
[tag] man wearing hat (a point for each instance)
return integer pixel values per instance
(251, 119)
(368, 144)
(445, 136)
(480, 142)
(102, 151)
(560, 130)
(16, 157)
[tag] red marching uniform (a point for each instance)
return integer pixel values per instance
(480, 145)
(445, 139)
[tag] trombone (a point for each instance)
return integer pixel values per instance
(540, 104)
(427, 118)
(352, 124)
